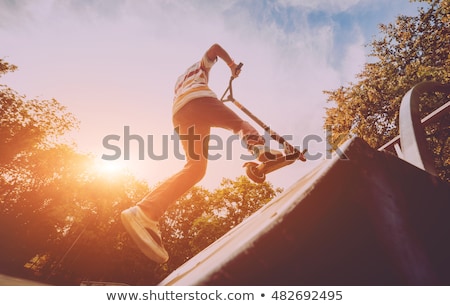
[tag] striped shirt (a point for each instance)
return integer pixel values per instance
(193, 84)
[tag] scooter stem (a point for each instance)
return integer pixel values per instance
(289, 149)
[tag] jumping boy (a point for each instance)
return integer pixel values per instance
(196, 109)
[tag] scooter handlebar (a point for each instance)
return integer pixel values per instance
(238, 68)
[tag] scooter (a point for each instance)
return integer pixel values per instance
(257, 171)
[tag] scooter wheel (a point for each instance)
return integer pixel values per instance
(251, 169)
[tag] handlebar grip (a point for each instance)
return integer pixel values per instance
(239, 66)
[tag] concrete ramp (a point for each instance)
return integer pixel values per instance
(364, 218)
(6, 280)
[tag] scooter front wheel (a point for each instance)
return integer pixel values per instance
(252, 171)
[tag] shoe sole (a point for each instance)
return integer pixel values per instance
(147, 245)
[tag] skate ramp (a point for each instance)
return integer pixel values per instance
(6, 280)
(362, 218)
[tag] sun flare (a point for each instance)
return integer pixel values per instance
(113, 167)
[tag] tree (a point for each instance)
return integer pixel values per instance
(28, 134)
(411, 50)
(60, 216)
(201, 217)
(29, 125)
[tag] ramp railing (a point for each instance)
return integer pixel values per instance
(411, 145)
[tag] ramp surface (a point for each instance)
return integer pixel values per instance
(362, 218)
(6, 280)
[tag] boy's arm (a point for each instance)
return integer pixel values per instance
(217, 51)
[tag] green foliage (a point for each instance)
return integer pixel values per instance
(411, 50)
(28, 125)
(6, 67)
(60, 215)
(201, 217)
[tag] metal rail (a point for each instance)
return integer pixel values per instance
(411, 144)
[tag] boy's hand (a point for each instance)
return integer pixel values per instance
(235, 70)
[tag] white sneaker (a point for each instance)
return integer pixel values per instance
(145, 233)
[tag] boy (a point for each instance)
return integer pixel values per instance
(196, 109)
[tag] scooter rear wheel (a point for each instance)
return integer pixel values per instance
(252, 171)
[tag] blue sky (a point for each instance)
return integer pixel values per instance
(114, 63)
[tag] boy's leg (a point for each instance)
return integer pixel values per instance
(142, 220)
(217, 114)
(194, 140)
(193, 124)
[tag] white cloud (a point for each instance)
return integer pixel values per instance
(332, 6)
(118, 61)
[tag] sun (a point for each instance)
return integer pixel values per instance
(109, 167)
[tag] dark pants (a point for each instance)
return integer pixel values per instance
(193, 123)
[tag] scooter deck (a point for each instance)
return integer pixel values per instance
(278, 163)
(257, 172)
